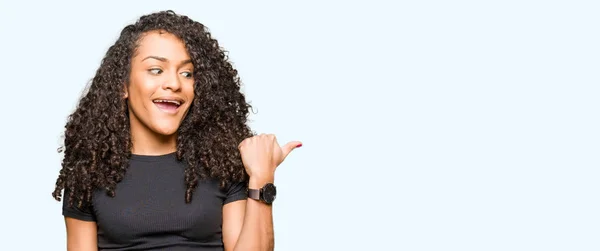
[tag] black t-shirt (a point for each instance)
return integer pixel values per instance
(149, 210)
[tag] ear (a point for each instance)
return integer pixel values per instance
(126, 93)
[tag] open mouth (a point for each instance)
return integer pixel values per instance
(168, 105)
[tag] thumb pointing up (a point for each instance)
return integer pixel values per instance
(287, 148)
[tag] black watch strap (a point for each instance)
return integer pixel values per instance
(254, 194)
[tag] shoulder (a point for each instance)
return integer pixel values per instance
(236, 191)
(83, 211)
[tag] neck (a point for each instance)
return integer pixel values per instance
(147, 142)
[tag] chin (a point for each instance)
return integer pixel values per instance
(166, 130)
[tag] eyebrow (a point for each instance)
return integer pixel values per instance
(187, 61)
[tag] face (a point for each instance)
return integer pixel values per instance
(161, 84)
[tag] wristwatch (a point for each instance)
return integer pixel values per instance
(265, 194)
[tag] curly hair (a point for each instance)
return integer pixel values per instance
(97, 140)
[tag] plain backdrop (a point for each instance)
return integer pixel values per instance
(427, 125)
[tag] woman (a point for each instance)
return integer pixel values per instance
(157, 154)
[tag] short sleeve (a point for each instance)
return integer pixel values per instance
(85, 213)
(237, 191)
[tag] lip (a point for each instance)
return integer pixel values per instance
(170, 98)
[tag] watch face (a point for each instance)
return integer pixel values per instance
(268, 193)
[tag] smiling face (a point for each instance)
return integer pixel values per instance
(161, 85)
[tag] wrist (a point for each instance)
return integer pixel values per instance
(258, 181)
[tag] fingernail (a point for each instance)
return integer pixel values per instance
(299, 145)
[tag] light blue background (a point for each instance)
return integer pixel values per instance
(427, 125)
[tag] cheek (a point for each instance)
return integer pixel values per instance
(188, 91)
(140, 88)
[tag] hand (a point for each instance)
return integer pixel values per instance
(262, 154)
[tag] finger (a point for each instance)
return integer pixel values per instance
(244, 142)
(273, 138)
(287, 148)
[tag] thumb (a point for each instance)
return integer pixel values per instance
(287, 148)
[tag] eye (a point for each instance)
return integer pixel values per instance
(155, 71)
(187, 74)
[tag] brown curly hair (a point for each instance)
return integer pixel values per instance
(97, 140)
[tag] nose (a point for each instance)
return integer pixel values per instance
(172, 82)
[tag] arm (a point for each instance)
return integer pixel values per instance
(81, 235)
(248, 224)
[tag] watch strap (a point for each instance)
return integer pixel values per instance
(254, 194)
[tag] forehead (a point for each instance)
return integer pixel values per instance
(162, 44)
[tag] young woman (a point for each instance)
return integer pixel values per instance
(157, 154)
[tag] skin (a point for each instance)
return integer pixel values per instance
(161, 68)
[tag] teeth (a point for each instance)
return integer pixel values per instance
(168, 101)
